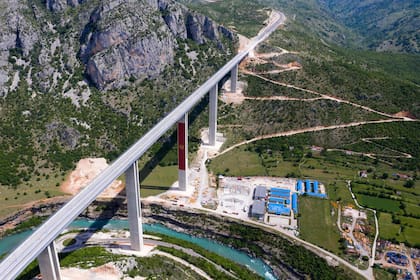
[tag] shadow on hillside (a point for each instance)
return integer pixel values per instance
(170, 142)
(108, 209)
(160, 188)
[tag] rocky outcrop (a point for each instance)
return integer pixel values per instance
(137, 45)
(68, 136)
(15, 33)
(142, 42)
(121, 40)
(59, 5)
(15, 30)
(184, 23)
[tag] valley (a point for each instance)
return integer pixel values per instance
(314, 102)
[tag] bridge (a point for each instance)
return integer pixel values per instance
(41, 245)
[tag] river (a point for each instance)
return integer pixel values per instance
(12, 241)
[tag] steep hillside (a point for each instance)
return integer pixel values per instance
(86, 78)
(245, 17)
(384, 82)
(386, 25)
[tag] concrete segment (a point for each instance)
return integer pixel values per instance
(213, 115)
(16, 261)
(183, 152)
(132, 189)
(49, 264)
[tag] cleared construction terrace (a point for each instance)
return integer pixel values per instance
(270, 200)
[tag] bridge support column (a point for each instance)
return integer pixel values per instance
(49, 264)
(132, 189)
(183, 152)
(213, 115)
(233, 78)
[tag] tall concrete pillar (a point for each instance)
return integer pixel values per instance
(213, 115)
(233, 78)
(49, 264)
(183, 152)
(132, 189)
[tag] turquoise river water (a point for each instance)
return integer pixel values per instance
(8, 243)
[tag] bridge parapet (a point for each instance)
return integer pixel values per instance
(41, 243)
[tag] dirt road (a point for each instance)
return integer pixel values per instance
(304, 130)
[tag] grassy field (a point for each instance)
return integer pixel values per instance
(40, 187)
(338, 191)
(400, 228)
(317, 224)
(287, 157)
(239, 163)
(387, 229)
(159, 180)
(379, 203)
(382, 274)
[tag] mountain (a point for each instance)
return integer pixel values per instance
(385, 25)
(81, 78)
(113, 41)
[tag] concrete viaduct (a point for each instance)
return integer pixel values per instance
(41, 243)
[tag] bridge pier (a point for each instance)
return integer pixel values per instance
(49, 264)
(213, 115)
(183, 152)
(233, 78)
(132, 189)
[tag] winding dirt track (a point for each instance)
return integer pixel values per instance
(325, 96)
(304, 130)
(283, 98)
(393, 118)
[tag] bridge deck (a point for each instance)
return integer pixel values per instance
(26, 252)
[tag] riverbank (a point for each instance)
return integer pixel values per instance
(43, 209)
(282, 254)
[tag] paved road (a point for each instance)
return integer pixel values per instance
(314, 248)
(16, 261)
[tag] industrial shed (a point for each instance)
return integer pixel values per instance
(294, 203)
(280, 192)
(279, 200)
(260, 192)
(258, 209)
(278, 209)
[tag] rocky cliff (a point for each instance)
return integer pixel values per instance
(116, 40)
(59, 5)
(138, 46)
(84, 77)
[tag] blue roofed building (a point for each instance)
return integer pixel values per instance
(295, 203)
(299, 186)
(308, 187)
(280, 200)
(316, 188)
(277, 192)
(278, 209)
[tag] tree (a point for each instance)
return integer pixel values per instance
(409, 184)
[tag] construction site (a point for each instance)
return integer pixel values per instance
(269, 200)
